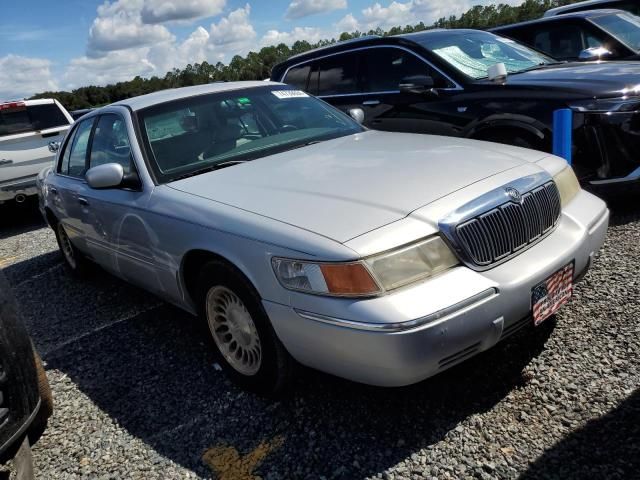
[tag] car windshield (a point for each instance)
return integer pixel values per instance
(196, 134)
(474, 52)
(624, 26)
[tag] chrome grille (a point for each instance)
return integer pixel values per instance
(502, 231)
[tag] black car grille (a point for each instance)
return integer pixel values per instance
(508, 228)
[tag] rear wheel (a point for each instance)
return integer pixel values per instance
(76, 263)
(250, 352)
(46, 402)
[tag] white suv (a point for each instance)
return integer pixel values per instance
(27, 128)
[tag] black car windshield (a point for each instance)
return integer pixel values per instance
(473, 53)
(192, 135)
(624, 26)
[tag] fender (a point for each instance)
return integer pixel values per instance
(531, 125)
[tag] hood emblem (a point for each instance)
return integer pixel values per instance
(513, 194)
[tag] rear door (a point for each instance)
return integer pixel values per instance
(336, 80)
(25, 133)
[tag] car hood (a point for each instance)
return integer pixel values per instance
(348, 186)
(599, 79)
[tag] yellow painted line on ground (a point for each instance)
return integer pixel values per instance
(225, 461)
(6, 261)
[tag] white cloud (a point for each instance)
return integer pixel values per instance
(348, 23)
(304, 8)
(232, 35)
(119, 26)
(192, 50)
(112, 67)
(310, 34)
(158, 11)
(23, 76)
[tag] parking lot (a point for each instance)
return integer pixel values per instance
(137, 393)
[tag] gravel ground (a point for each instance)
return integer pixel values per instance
(137, 394)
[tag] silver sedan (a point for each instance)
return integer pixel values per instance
(299, 235)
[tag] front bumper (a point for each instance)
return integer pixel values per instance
(24, 186)
(413, 333)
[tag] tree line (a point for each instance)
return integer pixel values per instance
(257, 65)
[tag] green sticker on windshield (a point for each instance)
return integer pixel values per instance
(244, 100)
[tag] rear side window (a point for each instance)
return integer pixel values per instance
(75, 154)
(297, 76)
(337, 75)
(31, 118)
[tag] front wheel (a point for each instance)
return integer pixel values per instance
(250, 352)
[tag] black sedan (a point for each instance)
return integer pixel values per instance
(25, 397)
(450, 82)
(590, 35)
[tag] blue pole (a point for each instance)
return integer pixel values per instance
(562, 132)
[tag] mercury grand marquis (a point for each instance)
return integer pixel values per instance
(301, 236)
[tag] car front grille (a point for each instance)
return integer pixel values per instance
(504, 230)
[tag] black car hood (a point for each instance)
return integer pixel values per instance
(593, 79)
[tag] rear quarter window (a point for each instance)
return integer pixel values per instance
(31, 118)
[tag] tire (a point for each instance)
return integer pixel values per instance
(75, 262)
(46, 402)
(249, 350)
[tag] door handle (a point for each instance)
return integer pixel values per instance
(83, 201)
(371, 102)
(53, 190)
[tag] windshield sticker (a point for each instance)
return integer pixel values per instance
(282, 94)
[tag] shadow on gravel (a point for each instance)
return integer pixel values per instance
(608, 447)
(152, 372)
(624, 209)
(17, 218)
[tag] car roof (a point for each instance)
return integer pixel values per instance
(581, 14)
(568, 8)
(370, 40)
(144, 101)
(28, 103)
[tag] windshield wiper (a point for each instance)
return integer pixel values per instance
(210, 168)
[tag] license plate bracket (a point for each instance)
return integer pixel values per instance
(549, 295)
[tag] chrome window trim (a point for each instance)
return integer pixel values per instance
(456, 88)
(484, 203)
(456, 308)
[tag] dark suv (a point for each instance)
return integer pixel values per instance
(632, 6)
(25, 397)
(590, 35)
(438, 82)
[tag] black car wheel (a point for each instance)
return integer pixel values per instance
(250, 352)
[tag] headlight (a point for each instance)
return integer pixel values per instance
(368, 277)
(412, 263)
(340, 279)
(567, 184)
(603, 105)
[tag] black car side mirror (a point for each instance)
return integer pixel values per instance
(418, 84)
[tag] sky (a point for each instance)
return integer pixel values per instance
(66, 44)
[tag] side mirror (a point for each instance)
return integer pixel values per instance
(357, 114)
(594, 53)
(418, 84)
(109, 175)
(54, 146)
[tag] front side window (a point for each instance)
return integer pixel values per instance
(384, 68)
(337, 75)
(75, 154)
(192, 135)
(473, 53)
(111, 143)
(623, 26)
